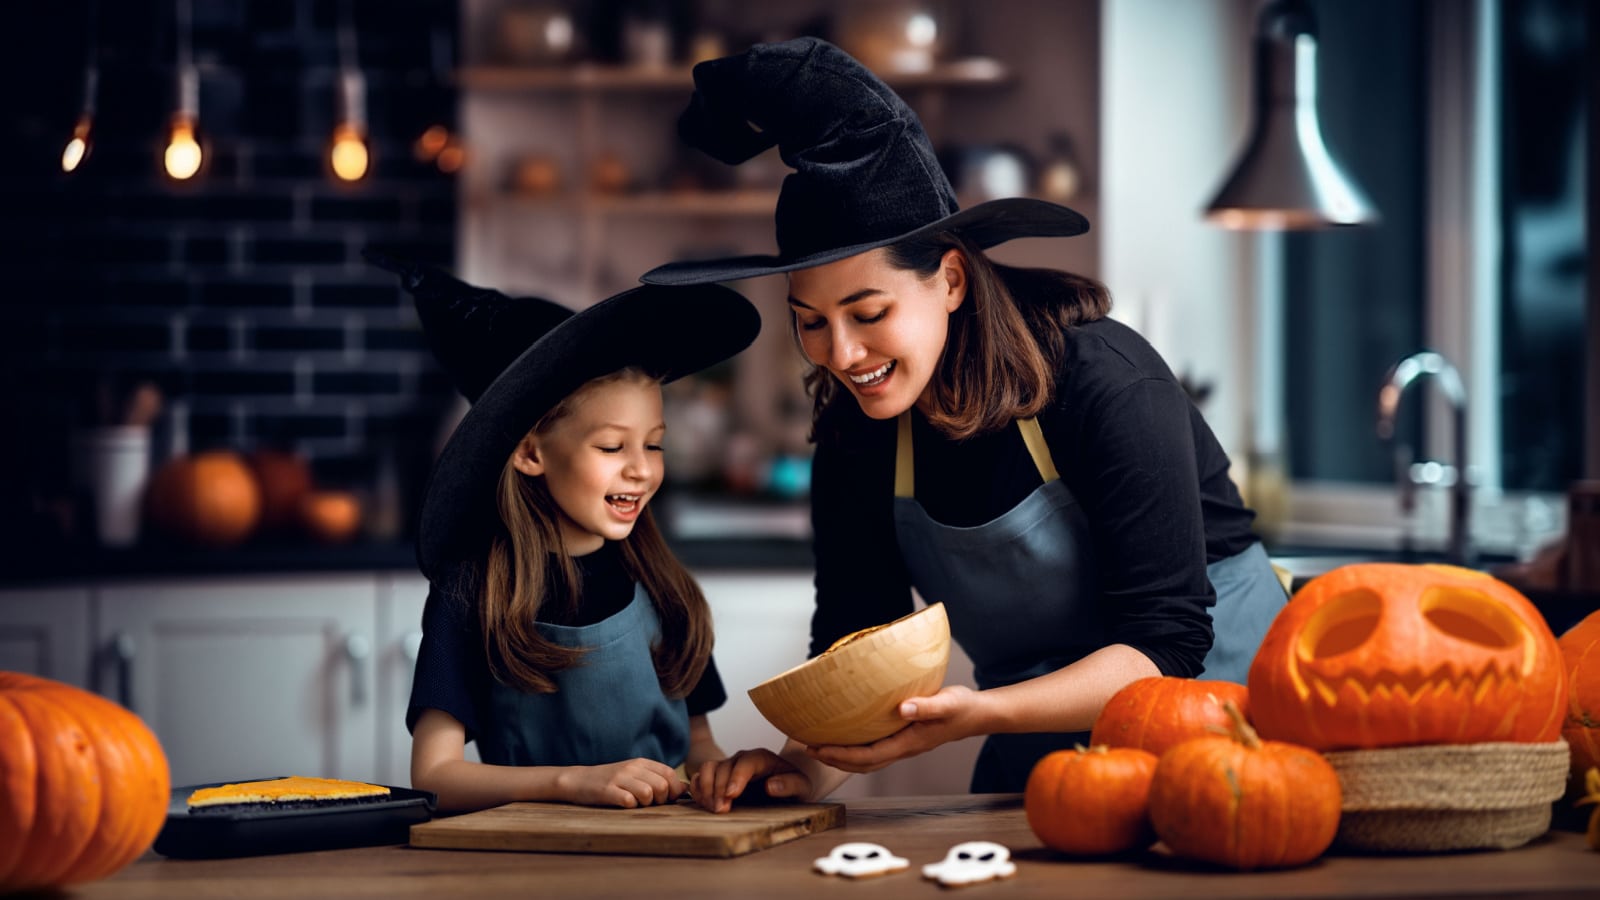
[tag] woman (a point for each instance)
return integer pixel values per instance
(984, 434)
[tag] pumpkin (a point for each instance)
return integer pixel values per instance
(210, 499)
(1580, 648)
(331, 517)
(284, 479)
(1158, 712)
(1242, 802)
(1387, 655)
(1091, 802)
(84, 785)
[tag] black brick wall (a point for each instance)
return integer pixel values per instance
(241, 293)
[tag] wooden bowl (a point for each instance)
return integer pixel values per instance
(851, 693)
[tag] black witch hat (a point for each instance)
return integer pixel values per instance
(516, 358)
(865, 173)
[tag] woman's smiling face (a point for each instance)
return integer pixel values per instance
(880, 330)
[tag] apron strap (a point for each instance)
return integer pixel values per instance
(905, 472)
(1033, 436)
(905, 475)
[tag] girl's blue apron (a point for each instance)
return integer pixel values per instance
(607, 708)
(1016, 586)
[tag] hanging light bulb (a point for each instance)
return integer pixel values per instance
(1285, 178)
(78, 146)
(77, 149)
(183, 155)
(348, 152)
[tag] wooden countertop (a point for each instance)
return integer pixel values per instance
(918, 828)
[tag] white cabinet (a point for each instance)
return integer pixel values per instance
(249, 677)
(400, 601)
(45, 632)
(401, 597)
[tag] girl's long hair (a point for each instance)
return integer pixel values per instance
(528, 568)
(1000, 356)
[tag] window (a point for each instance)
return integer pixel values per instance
(1465, 123)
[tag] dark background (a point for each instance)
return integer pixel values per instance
(241, 293)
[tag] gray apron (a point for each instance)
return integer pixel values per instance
(607, 708)
(1022, 595)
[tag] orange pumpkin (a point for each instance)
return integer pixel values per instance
(284, 479)
(210, 499)
(331, 517)
(1242, 802)
(1158, 712)
(1091, 802)
(84, 785)
(1387, 655)
(1580, 648)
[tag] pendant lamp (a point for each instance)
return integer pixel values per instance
(1285, 178)
(81, 142)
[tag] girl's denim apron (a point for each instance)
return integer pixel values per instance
(608, 708)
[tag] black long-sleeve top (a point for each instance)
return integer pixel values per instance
(1131, 447)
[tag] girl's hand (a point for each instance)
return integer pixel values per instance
(717, 783)
(950, 715)
(630, 783)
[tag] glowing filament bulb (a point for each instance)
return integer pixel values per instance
(349, 153)
(183, 151)
(78, 147)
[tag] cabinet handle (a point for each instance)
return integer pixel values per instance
(122, 650)
(356, 650)
(411, 646)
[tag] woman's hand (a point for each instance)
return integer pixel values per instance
(630, 783)
(717, 784)
(954, 713)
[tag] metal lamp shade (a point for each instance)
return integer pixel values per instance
(1285, 178)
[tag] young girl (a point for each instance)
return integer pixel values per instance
(560, 633)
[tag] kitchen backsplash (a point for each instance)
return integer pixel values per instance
(241, 293)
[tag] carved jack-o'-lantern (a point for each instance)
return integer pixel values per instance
(1384, 655)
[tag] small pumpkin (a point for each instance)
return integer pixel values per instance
(1580, 648)
(1159, 712)
(331, 517)
(1245, 803)
(210, 499)
(284, 479)
(1091, 802)
(1389, 655)
(84, 785)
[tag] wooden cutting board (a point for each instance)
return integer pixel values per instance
(680, 829)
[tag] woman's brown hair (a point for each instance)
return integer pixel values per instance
(528, 568)
(1000, 356)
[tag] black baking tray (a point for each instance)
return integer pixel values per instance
(258, 832)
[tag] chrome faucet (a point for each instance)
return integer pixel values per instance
(1408, 472)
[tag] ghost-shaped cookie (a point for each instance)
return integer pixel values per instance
(859, 859)
(970, 863)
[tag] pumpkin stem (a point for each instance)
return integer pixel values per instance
(1242, 732)
(1097, 748)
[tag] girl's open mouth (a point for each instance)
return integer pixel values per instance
(625, 504)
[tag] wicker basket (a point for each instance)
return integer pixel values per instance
(1443, 797)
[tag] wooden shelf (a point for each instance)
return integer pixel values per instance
(654, 203)
(591, 77)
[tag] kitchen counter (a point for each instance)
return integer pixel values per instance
(919, 829)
